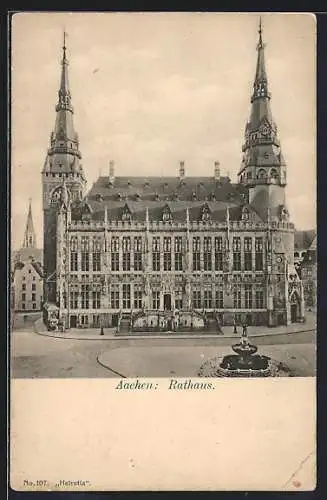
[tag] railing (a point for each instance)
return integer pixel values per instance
(90, 225)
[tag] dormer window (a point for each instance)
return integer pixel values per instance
(156, 196)
(212, 197)
(146, 184)
(194, 197)
(137, 196)
(98, 197)
(245, 214)
(206, 215)
(166, 214)
(126, 215)
(119, 197)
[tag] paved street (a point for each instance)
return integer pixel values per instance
(35, 355)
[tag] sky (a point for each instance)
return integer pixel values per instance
(151, 89)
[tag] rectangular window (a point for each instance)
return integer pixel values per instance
(178, 253)
(33, 287)
(137, 261)
(196, 299)
(137, 243)
(259, 302)
(179, 298)
(74, 298)
(219, 297)
(114, 296)
(126, 261)
(23, 306)
(219, 253)
(156, 244)
(85, 244)
(85, 296)
(196, 261)
(155, 300)
(207, 299)
(33, 297)
(167, 261)
(115, 261)
(248, 296)
(23, 297)
(73, 261)
(137, 296)
(167, 253)
(96, 299)
(126, 296)
(156, 261)
(115, 244)
(237, 297)
(247, 254)
(236, 253)
(96, 258)
(23, 287)
(178, 244)
(259, 254)
(178, 261)
(85, 263)
(33, 305)
(196, 253)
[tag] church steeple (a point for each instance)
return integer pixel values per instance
(262, 163)
(29, 235)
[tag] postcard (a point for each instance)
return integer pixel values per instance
(163, 263)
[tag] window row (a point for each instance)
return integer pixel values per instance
(33, 287)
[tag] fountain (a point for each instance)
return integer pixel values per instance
(245, 363)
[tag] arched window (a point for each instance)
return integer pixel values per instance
(262, 174)
(274, 174)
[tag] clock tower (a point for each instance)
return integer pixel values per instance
(263, 168)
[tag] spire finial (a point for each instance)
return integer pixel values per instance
(260, 43)
(64, 47)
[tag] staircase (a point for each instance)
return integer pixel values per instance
(125, 323)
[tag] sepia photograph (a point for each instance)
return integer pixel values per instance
(163, 195)
(163, 251)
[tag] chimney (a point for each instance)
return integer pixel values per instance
(181, 170)
(111, 171)
(217, 171)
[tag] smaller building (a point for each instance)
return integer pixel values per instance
(28, 286)
(27, 272)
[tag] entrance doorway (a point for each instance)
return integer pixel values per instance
(167, 302)
(73, 321)
(115, 320)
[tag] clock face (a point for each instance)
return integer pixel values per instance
(279, 260)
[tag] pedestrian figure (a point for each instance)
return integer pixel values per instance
(101, 331)
(235, 326)
(245, 330)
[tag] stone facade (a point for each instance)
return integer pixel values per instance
(196, 247)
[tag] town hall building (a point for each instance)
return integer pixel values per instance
(170, 253)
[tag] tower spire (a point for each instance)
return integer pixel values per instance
(29, 235)
(263, 163)
(63, 154)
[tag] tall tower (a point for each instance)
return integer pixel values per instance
(263, 168)
(29, 235)
(62, 163)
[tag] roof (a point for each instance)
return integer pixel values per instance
(36, 265)
(136, 195)
(304, 239)
(25, 254)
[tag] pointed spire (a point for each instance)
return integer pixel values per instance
(260, 86)
(64, 96)
(227, 215)
(29, 235)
